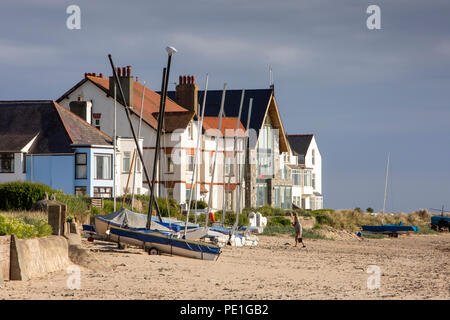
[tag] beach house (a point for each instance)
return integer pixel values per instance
(40, 141)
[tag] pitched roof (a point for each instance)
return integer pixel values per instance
(262, 99)
(151, 100)
(300, 143)
(56, 128)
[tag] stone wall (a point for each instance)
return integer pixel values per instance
(32, 258)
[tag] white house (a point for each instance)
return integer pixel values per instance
(305, 163)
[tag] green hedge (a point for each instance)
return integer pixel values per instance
(19, 195)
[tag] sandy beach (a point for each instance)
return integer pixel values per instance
(412, 267)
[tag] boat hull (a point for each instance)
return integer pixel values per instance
(389, 228)
(165, 243)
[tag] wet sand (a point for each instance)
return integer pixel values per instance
(412, 267)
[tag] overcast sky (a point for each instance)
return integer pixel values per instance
(362, 92)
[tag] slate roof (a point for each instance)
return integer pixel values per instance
(56, 128)
(299, 144)
(261, 101)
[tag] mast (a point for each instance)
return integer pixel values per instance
(115, 144)
(215, 153)
(234, 158)
(162, 108)
(127, 109)
(197, 151)
(139, 137)
(385, 183)
(158, 137)
(241, 174)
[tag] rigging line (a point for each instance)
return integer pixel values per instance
(139, 137)
(234, 158)
(215, 153)
(199, 136)
(241, 174)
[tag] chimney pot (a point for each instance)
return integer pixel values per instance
(193, 79)
(101, 75)
(118, 71)
(184, 79)
(180, 79)
(124, 71)
(128, 71)
(94, 74)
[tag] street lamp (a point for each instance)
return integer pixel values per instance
(162, 107)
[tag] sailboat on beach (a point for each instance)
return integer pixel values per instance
(391, 229)
(152, 234)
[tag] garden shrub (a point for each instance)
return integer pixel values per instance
(20, 195)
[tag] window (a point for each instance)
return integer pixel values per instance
(169, 164)
(261, 194)
(229, 168)
(188, 194)
(296, 177)
(190, 131)
(80, 191)
(190, 163)
(80, 165)
(102, 192)
(126, 162)
(313, 156)
(24, 163)
(229, 198)
(103, 166)
(170, 193)
(97, 123)
(313, 180)
(284, 173)
(6, 162)
(211, 164)
(307, 178)
(283, 197)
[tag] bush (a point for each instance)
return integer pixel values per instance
(369, 210)
(20, 195)
(76, 205)
(24, 228)
(279, 221)
(200, 204)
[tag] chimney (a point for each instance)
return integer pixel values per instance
(126, 81)
(82, 109)
(187, 93)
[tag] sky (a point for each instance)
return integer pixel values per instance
(363, 93)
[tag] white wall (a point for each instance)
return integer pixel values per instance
(18, 170)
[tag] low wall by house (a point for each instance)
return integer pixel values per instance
(36, 257)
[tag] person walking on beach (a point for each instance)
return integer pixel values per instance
(298, 231)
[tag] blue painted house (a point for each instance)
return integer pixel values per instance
(41, 141)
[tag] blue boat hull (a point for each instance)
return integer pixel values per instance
(166, 243)
(390, 228)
